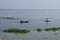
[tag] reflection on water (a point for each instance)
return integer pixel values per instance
(33, 35)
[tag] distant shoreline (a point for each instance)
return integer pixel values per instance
(8, 18)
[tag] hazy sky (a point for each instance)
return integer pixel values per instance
(29, 4)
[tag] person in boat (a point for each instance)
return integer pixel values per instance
(46, 20)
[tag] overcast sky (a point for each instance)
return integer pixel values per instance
(29, 4)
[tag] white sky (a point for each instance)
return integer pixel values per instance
(29, 4)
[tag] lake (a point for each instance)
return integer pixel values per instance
(36, 20)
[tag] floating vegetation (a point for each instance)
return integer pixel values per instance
(39, 30)
(16, 31)
(52, 29)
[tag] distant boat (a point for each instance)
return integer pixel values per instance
(22, 21)
(47, 20)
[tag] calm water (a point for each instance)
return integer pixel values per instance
(33, 35)
(35, 17)
(36, 20)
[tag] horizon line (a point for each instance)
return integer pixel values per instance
(28, 9)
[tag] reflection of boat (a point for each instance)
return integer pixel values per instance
(24, 21)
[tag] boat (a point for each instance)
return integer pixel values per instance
(23, 21)
(47, 20)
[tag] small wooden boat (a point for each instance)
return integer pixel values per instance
(24, 21)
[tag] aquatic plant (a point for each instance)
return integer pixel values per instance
(39, 30)
(16, 31)
(52, 29)
(48, 29)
